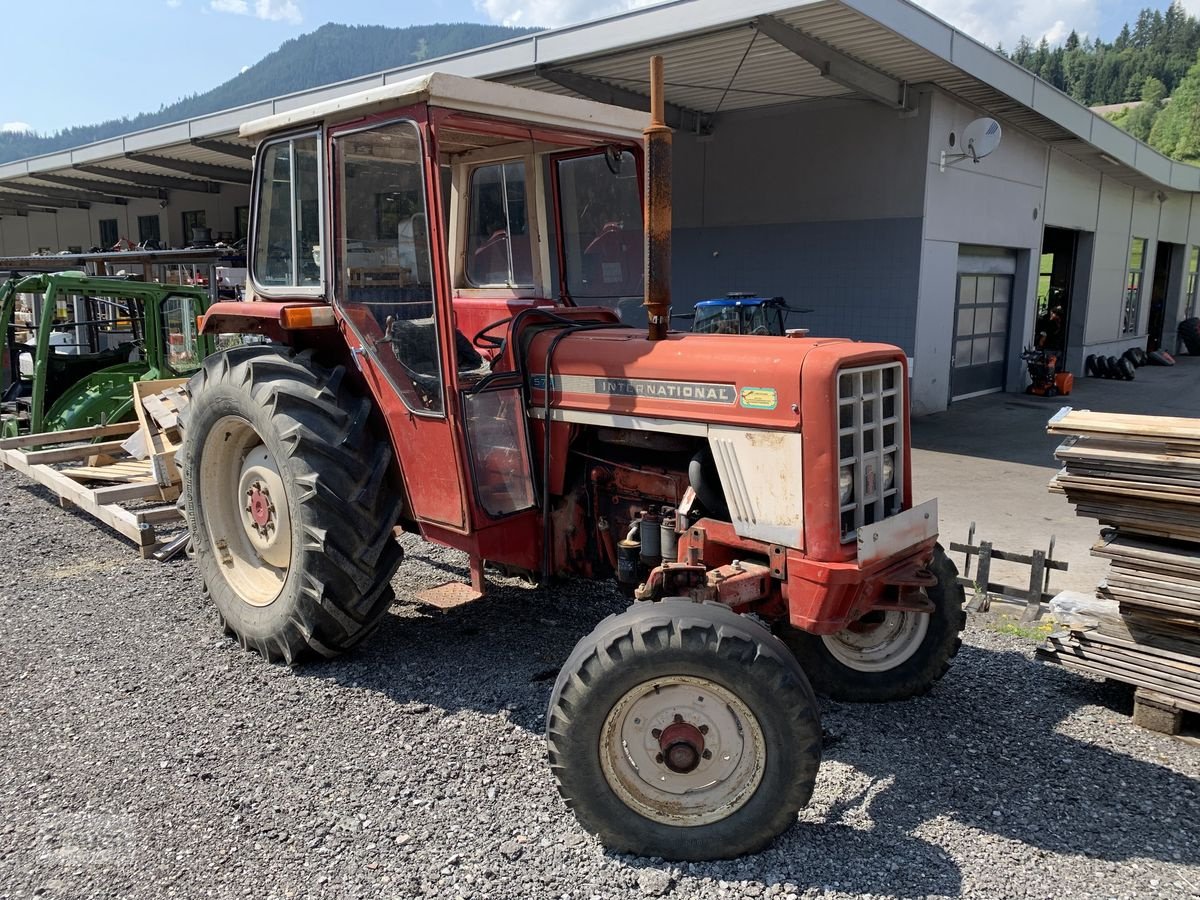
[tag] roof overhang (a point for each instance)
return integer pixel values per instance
(720, 57)
(468, 95)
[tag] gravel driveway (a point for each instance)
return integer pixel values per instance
(145, 755)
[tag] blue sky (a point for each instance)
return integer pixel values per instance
(70, 62)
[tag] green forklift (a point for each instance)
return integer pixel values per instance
(74, 344)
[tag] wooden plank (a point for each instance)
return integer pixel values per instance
(52, 438)
(145, 490)
(70, 453)
(1171, 429)
(138, 470)
(159, 514)
(1066, 657)
(110, 514)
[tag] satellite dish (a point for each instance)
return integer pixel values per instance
(981, 137)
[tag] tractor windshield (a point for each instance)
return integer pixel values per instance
(601, 208)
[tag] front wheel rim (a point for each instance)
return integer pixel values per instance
(247, 515)
(682, 751)
(879, 646)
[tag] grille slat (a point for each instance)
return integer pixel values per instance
(863, 399)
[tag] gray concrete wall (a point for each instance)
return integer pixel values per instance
(820, 204)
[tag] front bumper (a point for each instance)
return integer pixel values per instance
(825, 597)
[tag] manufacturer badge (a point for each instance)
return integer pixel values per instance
(759, 398)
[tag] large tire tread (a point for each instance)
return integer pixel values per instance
(621, 651)
(349, 511)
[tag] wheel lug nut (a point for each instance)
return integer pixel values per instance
(655, 733)
(658, 758)
(704, 729)
(678, 717)
(707, 754)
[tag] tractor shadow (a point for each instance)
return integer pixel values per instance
(983, 751)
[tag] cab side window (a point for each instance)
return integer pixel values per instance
(498, 246)
(287, 251)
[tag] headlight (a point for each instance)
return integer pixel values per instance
(889, 471)
(846, 485)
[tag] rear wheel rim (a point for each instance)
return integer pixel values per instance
(879, 646)
(682, 751)
(247, 514)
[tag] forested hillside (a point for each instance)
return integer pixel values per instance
(1151, 60)
(331, 53)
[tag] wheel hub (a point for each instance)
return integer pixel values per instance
(682, 750)
(263, 505)
(260, 507)
(682, 746)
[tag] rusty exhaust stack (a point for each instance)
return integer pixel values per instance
(658, 209)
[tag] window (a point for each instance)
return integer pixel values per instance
(180, 339)
(1133, 286)
(1193, 265)
(109, 235)
(287, 251)
(148, 229)
(601, 210)
(498, 251)
(384, 277)
(1045, 272)
(192, 220)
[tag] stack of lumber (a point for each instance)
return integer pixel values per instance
(1140, 475)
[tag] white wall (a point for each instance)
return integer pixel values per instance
(20, 235)
(1087, 199)
(997, 202)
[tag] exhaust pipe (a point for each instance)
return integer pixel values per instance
(658, 209)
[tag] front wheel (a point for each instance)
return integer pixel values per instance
(885, 656)
(288, 499)
(684, 731)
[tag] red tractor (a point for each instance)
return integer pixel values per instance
(450, 275)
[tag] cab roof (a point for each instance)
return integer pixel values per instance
(470, 95)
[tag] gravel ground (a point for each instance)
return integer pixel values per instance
(144, 755)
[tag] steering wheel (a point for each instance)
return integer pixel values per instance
(486, 341)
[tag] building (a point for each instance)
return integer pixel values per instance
(808, 164)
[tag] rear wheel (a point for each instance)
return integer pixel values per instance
(287, 497)
(685, 731)
(892, 655)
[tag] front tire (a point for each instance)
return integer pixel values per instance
(888, 656)
(287, 495)
(684, 731)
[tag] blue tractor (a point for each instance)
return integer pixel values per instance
(739, 313)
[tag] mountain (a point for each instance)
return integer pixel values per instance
(1153, 59)
(331, 53)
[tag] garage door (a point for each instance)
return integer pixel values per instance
(981, 317)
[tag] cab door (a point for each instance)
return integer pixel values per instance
(389, 290)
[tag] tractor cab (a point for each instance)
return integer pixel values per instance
(73, 344)
(738, 313)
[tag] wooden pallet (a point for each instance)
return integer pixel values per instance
(121, 478)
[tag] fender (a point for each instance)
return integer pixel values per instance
(274, 320)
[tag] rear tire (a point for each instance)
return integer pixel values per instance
(1189, 333)
(901, 656)
(633, 694)
(287, 496)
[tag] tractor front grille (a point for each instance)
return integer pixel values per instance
(870, 410)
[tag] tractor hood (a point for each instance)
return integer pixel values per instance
(753, 381)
